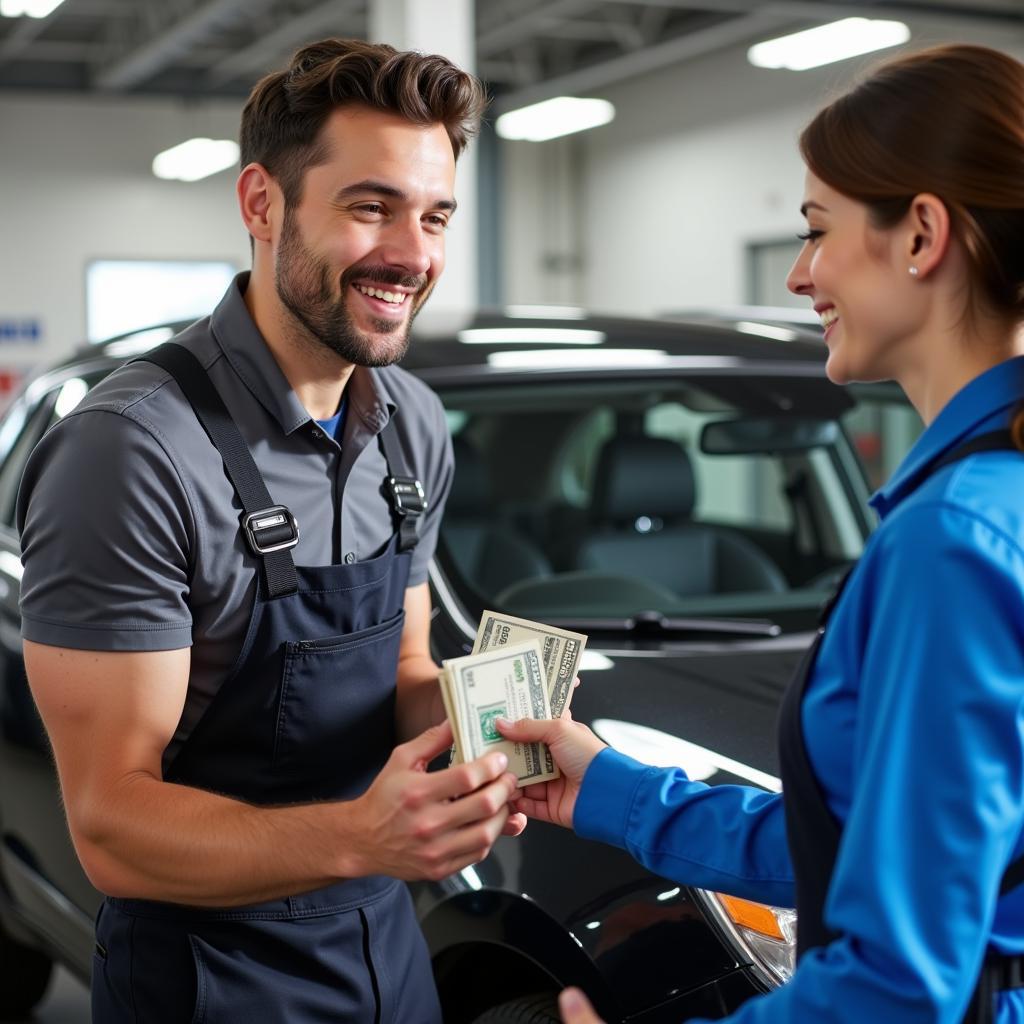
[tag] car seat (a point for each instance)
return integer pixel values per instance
(490, 554)
(641, 524)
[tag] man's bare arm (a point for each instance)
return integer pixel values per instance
(419, 703)
(109, 717)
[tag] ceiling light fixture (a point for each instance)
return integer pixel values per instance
(195, 159)
(562, 115)
(530, 336)
(826, 44)
(28, 8)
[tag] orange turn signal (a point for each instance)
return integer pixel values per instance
(755, 916)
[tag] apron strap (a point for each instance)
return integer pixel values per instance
(403, 490)
(270, 530)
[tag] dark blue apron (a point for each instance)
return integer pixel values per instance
(813, 834)
(306, 714)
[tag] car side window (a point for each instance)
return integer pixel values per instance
(34, 424)
(29, 422)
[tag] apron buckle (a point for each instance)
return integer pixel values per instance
(407, 497)
(270, 529)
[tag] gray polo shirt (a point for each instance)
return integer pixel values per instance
(130, 526)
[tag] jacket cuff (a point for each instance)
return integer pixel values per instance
(607, 795)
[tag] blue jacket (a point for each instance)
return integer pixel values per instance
(914, 725)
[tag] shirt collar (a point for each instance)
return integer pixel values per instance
(979, 406)
(255, 365)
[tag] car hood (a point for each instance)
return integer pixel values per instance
(715, 707)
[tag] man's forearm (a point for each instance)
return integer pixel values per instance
(419, 704)
(157, 840)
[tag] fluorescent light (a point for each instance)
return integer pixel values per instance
(594, 661)
(546, 312)
(195, 159)
(28, 8)
(10, 564)
(139, 342)
(471, 878)
(72, 392)
(561, 116)
(767, 331)
(562, 359)
(663, 750)
(529, 336)
(828, 43)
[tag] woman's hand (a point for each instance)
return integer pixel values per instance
(573, 746)
(517, 820)
(576, 1009)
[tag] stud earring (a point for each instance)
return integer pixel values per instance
(913, 271)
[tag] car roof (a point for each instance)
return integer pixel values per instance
(751, 362)
(452, 339)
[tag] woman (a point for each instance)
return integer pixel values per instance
(902, 739)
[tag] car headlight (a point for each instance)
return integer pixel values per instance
(765, 935)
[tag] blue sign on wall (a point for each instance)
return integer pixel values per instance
(20, 330)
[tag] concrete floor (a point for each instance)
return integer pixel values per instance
(66, 1002)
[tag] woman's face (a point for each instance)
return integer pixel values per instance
(858, 279)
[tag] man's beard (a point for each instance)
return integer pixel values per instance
(303, 282)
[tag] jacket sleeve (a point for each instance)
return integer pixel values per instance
(727, 838)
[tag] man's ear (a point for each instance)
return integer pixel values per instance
(927, 235)
(258, 195)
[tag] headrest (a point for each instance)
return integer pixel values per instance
(642, 476)
(471, 493)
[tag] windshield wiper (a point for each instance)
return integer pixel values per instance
(652, 623)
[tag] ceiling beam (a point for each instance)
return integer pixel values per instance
(299, 29)
(157, 52)
(650, 58)
(826, 10)
(526, 26)
(23, 33)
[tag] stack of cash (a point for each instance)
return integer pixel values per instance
(518, 669)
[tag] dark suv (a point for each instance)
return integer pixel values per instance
(686, 494)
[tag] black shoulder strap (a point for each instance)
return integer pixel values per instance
(403, 490)
(996, 440)
(270, 530)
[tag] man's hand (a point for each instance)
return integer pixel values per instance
(413, 824)
(575, 1008)
(573, 746)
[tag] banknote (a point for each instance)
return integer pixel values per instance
(508, 682)
(562, 650)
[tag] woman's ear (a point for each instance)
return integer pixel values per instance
(927, 234)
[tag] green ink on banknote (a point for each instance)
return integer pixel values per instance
(488, 729)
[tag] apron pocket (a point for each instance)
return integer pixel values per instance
(336, 710)
(282, 972)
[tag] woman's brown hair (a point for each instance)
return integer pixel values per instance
(949, 121)
(286, 109)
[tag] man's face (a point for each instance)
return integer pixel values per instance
(359, 254)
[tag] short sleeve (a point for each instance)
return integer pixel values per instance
(106, 532)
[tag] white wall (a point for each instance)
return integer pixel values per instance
(652, 212)
(76, 185)
(700, 162)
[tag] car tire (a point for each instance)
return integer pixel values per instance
(23, 980)
(541, 1008)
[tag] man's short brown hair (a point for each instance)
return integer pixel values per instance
(286, 110)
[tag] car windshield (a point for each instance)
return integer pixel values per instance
(721, 503)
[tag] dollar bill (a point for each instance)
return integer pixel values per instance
(510, 683)
(562, 650)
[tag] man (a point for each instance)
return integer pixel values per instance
(226, 614)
